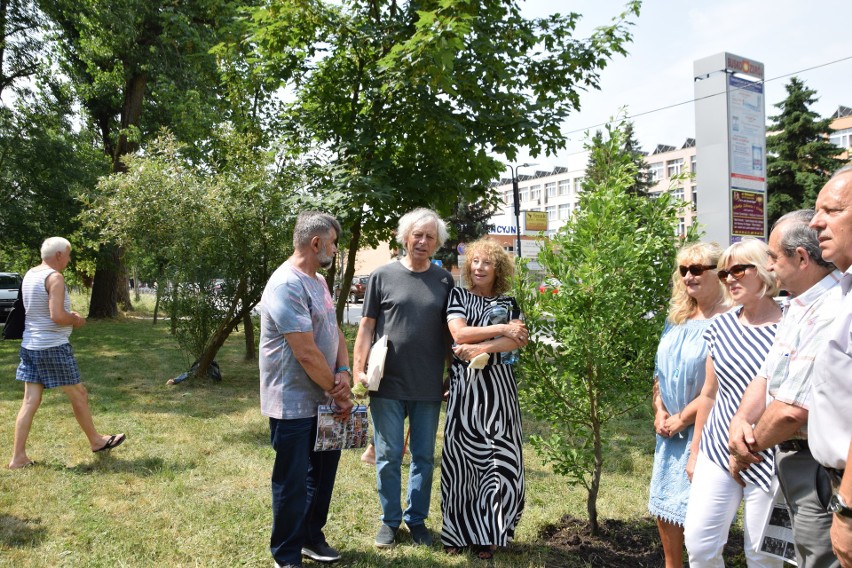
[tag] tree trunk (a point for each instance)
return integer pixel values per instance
(349, 272)
(594, 488)
(157, 296)
(114, 275)
(104, 301)
(248, 326)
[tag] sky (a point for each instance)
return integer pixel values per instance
(790, 37)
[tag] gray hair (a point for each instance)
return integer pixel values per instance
(53, 245)
(310, 224)
(842, 170)
(796, 233)
(418, 217)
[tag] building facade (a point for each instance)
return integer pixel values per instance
(556, 192)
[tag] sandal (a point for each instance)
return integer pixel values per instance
(485, 553)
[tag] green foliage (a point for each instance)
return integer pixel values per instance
(197, 226)
(596, 335)
(468, 222)
(800, 159)
(598, 167)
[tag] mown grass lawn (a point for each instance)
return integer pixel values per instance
(190, 486)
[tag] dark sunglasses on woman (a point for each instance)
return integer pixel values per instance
(695, 269)
(737, 271)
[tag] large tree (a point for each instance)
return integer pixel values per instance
(137, 65)
(597, 332)
(800, 158)
(400, 105)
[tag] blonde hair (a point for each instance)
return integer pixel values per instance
(682, 305)
(751, 251)
(504, 267)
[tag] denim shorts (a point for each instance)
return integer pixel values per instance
(51, 367)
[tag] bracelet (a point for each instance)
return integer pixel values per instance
(342, 369)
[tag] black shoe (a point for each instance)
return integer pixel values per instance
(420, 535)
(385, 536)
(321, 552)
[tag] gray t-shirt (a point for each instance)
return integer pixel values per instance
(410, 308)
(293, 302)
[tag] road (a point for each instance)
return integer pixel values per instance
(352, 313)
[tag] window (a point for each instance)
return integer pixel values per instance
(681, 226)
(656, 171)
(564, 210)
(578, 185)
(693, 165)
(674, 167)
(841, 138)
(677, 193)
(565, 187)
(535, 192)
(695, 198)
(507, 198)
(550, 189)
(551, 213)
(524, 194)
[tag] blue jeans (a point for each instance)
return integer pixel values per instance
(389, 431)
(302, 483)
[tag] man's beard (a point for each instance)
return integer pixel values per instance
(325, 260)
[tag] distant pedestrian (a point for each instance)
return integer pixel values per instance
(47, 360)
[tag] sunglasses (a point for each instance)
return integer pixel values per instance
(737, 271)
(695, 269)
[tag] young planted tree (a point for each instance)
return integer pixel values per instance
(597, 333)
(799, 157)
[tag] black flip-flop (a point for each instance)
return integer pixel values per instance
(114, 441)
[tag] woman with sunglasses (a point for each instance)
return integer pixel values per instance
(697, 297)
(738, 342)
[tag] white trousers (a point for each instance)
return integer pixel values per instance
(713, 502)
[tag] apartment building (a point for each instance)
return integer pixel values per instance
(673, 168)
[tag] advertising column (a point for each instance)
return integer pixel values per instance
(730, 132)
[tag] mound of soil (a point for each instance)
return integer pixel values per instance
(619, 544)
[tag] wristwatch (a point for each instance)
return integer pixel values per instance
(837, 506)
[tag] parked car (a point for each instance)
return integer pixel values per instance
(10, 282)
(358, 288)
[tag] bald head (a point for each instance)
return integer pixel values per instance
(833, 219)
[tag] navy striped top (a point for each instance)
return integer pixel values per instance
(738, 352)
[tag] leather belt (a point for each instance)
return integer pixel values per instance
(796, 445)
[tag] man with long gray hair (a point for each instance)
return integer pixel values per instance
(406, 300)
(304, 362)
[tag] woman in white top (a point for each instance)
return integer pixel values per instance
(47, 360)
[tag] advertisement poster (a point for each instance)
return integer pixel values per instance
(748, 214)
(747, 135)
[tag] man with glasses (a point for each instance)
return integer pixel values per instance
(812, 282)
(830, 426)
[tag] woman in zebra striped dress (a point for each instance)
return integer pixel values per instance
(482, 470)
(738, 342)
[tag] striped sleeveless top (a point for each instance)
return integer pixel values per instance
(41, 332)
(738, 352)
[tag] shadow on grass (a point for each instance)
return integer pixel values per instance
(19, 532)
(142, 467)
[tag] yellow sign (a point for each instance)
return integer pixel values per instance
(535, 221)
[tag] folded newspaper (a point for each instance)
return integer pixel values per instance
(376, 363)
(334, 435)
